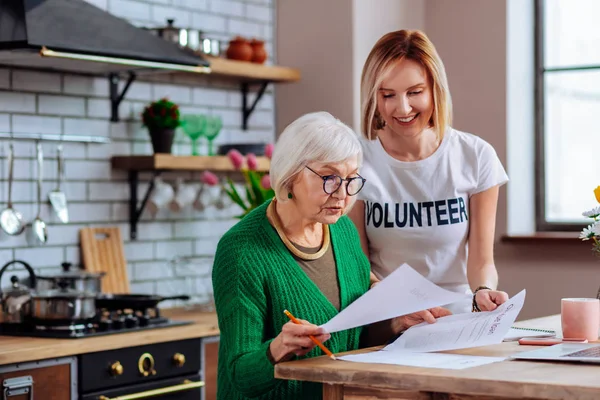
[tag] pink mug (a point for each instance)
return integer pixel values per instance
(580, 318)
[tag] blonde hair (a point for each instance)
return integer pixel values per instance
(314, 137)
(387, 52)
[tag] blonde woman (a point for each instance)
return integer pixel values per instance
(432, 190)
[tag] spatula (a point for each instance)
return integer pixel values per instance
(57, 197)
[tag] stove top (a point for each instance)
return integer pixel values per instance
(105, 323)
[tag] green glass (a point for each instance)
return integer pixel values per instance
(194, 126)
(213, 127)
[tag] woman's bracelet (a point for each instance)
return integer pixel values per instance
(475, 306)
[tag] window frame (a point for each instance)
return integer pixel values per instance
(541, 224)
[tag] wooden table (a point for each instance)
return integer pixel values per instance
(344, 380)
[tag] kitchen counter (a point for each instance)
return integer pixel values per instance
(21, 349)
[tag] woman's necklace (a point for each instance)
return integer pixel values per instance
(274, 218)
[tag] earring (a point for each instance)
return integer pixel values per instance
(290, 195)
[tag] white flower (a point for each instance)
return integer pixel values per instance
(589, 232)
(593, 213)
(596, 229)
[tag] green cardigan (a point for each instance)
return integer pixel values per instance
(255, 278)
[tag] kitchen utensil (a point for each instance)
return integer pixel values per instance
(16, 301)
(112, 302)
(82, 281)
(57, 197)
(39, 231)
(102, 251)
(11, 220)
(63, 304)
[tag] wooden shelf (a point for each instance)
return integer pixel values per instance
(248, 71)
(170, 162)
(159, 163)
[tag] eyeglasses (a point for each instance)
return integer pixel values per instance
(331, 183)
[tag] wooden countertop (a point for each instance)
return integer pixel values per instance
(21, 349)
(507, 379)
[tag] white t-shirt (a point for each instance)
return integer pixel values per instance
(418, 212)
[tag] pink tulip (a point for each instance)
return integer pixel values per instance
(209, 178)
(266, 181)
(236, 158)
(252, 161)
(269, 150)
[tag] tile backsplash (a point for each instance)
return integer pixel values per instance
(174, 251)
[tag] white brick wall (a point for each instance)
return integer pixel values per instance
(173, 253)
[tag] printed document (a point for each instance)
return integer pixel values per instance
(461, 331)
(404, 291)
(417, 345)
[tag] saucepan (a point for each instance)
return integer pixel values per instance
(114, 302)
(64, 304)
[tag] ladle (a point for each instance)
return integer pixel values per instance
(11, 220)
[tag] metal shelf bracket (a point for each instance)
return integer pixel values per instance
(134, 213)
(247, 110)
(115, 97)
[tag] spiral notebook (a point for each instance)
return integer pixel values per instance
(517, 333)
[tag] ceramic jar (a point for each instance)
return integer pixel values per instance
(259, 54)
(239, 49)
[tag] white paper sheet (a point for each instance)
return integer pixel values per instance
(461, 331)
(427, 360)
(402, 292)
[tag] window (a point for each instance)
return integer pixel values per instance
(567, 111)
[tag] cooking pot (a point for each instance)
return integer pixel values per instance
(63, 304)
(77, 280)
(16, 302)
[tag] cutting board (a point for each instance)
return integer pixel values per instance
(102, 250)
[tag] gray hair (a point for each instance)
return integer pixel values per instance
(314, 137)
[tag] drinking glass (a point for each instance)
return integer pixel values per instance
(213, 127)
(194, 126)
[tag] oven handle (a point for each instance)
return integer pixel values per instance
(186, 385)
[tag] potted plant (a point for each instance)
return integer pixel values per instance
(592, 231)
(161, 118)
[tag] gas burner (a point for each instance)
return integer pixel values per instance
(81, 329)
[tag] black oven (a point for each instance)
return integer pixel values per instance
(183, 388)
(161, 371)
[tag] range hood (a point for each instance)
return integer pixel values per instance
(75, 36)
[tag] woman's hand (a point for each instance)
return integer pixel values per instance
(404, 322)
(294, 339)
(489, 300)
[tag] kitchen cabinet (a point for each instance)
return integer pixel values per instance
(48, 380)
(210, 351)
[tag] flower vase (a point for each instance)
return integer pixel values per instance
(162, 139)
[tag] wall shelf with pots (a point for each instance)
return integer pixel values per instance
(248, 74)
(158, 163)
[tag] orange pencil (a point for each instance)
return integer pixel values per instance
(314, 339)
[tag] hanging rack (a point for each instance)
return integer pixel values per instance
(55, 137)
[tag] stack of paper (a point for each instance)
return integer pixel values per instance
(406, 291)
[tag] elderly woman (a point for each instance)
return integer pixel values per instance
(298, 252)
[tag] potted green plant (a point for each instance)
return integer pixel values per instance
(161, 118)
